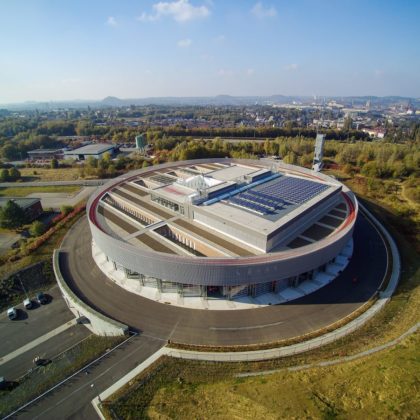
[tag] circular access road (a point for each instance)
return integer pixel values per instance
(350, 290)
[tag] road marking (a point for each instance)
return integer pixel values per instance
(37, 342)
(92, 379)
(245, 328)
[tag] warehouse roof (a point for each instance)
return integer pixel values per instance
(21, 202)
(91, 149)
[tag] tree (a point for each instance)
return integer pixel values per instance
(348, 122)
(14, 174)
(11, 215)
(92, 162)
(4, 175)
(37, 228)
(66, 209)
(54, 163)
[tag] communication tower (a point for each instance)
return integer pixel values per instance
(319, 152)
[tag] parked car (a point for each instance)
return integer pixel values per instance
(41, 298)
(39, 361)
(27, 303)
(12, 313)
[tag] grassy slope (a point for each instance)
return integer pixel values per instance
(24, 191)
(385, 385)
(44, 252)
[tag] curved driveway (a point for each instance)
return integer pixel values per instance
(250, 326)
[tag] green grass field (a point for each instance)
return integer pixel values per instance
(19, 191)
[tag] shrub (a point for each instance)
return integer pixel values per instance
(37, 228)
(65, 210)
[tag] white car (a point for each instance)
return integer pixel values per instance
(27, 303)
(12, 313)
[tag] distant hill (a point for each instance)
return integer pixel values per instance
(219, 100)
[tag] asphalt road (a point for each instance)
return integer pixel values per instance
(193, 326)
(86, 182)
(56, 200)
(17, 367)
(32, 324)
(73, 399)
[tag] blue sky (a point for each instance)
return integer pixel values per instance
(89, 49)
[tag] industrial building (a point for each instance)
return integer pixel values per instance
(31, 206)
(45, 154)
(221, 229)
(95, 150)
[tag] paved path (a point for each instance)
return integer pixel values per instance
(194, 326)
(86, 182)
(7, 240)
(37, 342)
(73, 399)
(56, 200)
(338, 360)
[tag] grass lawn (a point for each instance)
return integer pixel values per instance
(385, 385)
(25, 191)
(47, 174)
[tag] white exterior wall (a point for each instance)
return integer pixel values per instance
(99, 324)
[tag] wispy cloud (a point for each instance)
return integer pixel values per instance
(220, 38)
(179, 10)
(184, 43)
(378, 72)
(250, 72)
(291, 67)
(225, 72)
(111, 21)
(261, 12)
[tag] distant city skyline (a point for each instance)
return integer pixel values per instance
(56, 51)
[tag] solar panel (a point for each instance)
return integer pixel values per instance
(290, 189)
(285, 191)
(248, 205)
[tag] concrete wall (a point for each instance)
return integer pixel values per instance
(98, 323)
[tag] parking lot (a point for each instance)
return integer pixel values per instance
(45, 330)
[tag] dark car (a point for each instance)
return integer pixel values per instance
(41, 298)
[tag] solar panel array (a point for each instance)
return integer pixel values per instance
(257, 202)
(293, 190)
(251, 205)
(276, 195)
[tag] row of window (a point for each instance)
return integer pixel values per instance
(226, 292)
(168, 204)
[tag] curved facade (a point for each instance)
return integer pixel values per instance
(221, 227)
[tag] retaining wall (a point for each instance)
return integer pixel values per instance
(99, 324)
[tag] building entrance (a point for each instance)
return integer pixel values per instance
(215, 292)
